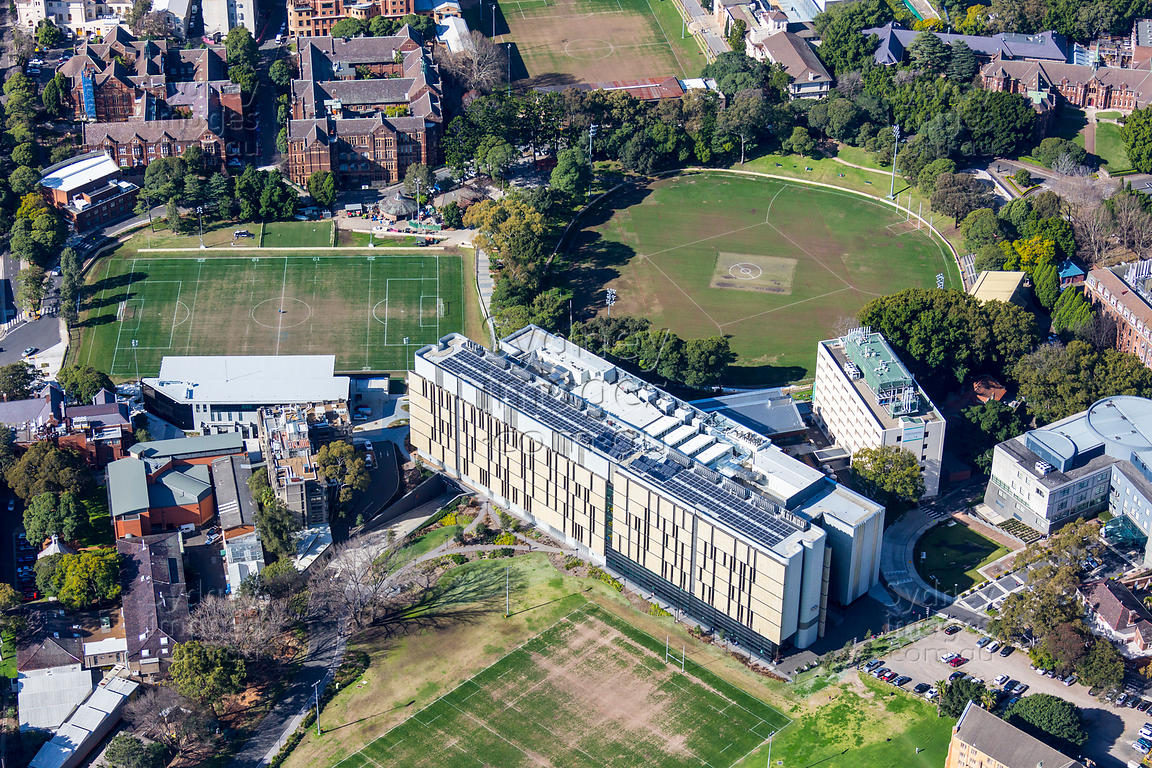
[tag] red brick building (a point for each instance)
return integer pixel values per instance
(1080, 86)
(365, 108)
(89, 190)
(163, 485)
(1121, 293)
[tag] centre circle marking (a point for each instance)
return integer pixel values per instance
(289, 306)
(589, 49)
(745, 271)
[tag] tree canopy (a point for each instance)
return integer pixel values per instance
(1058, 380)
(339, 462)
(888, 474)
(44, 468)
(1047, 717)
(49, 513)
(82, 382)
(205, 673)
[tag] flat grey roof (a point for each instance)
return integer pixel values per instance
(202, 445)
(127, 487)
(768, 411)
(234, 501)
(47, 697)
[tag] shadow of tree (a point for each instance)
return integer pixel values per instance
(461, 596)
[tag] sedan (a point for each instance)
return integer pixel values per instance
(890, 676)
(879, 673)
(1142, 706)
(983, 642)
(902, 680)
(993, 647)
(1007, 650)
(1000, 680)
(1142, 746)
(921, 688)
(958, 661)
(952, 629)
(1121, 699)
(948, 657)
(1072, 679)
(955, 676)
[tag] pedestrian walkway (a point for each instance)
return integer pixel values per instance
(896, 559)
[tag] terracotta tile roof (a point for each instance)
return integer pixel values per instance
(1114, 604)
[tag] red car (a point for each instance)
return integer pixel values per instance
(958, 661)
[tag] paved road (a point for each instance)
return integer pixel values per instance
(716, 44)
(42, 334)
(1111, 729)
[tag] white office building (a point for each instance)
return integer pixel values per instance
(216, 394)
(864, 397)
(711, 517)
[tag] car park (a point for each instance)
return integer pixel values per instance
(1142, 746)
(1072, 679)
(952, 629)
(1146, 730)
(1121, 699)
(931, 694)
(902, 680)
(880, 672)
(948, 657)
(889, 676)
(958, 661)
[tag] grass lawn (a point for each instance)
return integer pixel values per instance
(7, 657)
(770, 264)
(372, 311)
(1110, 147)
(362, 239)
(1070, 123)
(577, 675)
(306, 234)
(426, 543)
(954, 554)
(1108, 115)
(594, 40)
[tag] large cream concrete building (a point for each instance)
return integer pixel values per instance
(864, 397)
(709, 516)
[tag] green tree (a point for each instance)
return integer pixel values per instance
(277, 526)
(959, 194)
(1053, 148)
(1046, 284)
(981, 227)
(44, 468)
(929, 53)
(381, 26)
(205, 673)
(245, 77)
(48, 35)
(25, 154)
(735, 72)
(53, 95)
(954, 696)
(494, 155)
(340, 464)
(843, 49)
(926, 179)
(424, 26)
(1137, 136)
(980, 427)
(888, 474)
(418, 180)
(800, 142)
(744, 118)
(1022, 178)
(19, 381)
(1059, 380)
(82, 382)
(47, 514)
(1102, 666)
(49, 574)
(90, 577)
(24, 180)
(1000, 123)
(30, 288)
(736, 35)
(322, 187)
(349, 27)
(962, 67)
(1072, 312)
(573, 173)
(281, 73)
(127, 751)
(452, 215)
(1048, 717)
(240, 48)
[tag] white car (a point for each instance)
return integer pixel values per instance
(992, 647)
(931, 694)
(1000, 680)
(1146, 731)
(948, 657)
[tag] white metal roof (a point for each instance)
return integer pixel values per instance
(250, 379)
(85, 169)
(47, 697)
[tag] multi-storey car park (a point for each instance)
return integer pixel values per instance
(705, 514)
(1097, 459)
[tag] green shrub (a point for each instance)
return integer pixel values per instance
(655, 610)
(454, 559)
(605, 577)
(571, 562)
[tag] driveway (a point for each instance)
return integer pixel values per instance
(1111, 729)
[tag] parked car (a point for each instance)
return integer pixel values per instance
(958, 661)
(921, 688)
(1000, 680)
(1007, 650)
(1132, 702)
(902, 680)
(873, 664)
(1072, 679)
(1146, 730)
(30, 351)
(931, 694)
(955, 676)
(983, 642)
(890, 676)
(1020, 688)
(952, 629)
(1121, 699)
(880, 672)
(1143, 705)
(948, 657)
(242, 233)
(1142, 746)
(993, 647)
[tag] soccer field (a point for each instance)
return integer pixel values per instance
(589, 691)
(556, 42)
(773, 265)
(371, 311)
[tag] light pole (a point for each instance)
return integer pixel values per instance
(610, 299)
(316, 699)
(509, 68)
(200, 216)
(591, 132)
(493, 19)
(895, 146)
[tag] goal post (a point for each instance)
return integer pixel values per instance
(670, 656)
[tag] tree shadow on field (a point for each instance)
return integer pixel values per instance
(462, 596)
(620, 200)
(95, 302)
(763, 375)
(551, 80)
(116, 281)
(599, 262)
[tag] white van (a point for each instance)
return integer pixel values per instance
(188, 528)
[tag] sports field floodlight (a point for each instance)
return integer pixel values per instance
(610, 299)
(200, 216)
(591, 132)
(895, 146)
